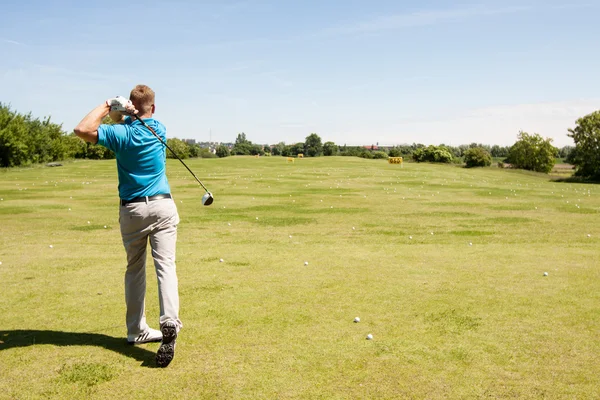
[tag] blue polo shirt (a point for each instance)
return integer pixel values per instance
(141, 157)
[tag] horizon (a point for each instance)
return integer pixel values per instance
(427, 72)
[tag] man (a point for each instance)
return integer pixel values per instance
(147, 211)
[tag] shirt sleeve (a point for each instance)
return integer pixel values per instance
(113, 137)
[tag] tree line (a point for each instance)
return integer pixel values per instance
(26, 140)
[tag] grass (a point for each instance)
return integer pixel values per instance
(444, 266)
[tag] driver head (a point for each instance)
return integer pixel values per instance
(207, 199)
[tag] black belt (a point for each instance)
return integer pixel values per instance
(145, 199)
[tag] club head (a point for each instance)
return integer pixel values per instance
(207, 199)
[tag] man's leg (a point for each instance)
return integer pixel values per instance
(163, 242)
(135, 239)
(135, 287)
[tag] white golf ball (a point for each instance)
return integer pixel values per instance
(432, 233)
(104, 226)
(229, 224)
(353, 228)
(545, 274)
(1, 199)
(221, 260)
(589, 235)
(369, 337)
(69, 209)
(0, 262)
(51, 246)
(305, 262)
(357, 319)
(410, 237)
(290, 236)
(257, 218)
(88, 222)
(470, 244)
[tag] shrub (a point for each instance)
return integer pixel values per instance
(380, 155)
(477, 157)
(532, 152)
(222, 151)
(437, 154)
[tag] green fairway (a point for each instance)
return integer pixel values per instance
(443, 265)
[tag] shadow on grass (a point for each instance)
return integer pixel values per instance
(576, 179)
(24, 338)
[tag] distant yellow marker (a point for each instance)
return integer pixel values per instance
(396, 160)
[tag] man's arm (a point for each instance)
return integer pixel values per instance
(88, 127)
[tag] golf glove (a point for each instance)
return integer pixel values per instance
(121, 104)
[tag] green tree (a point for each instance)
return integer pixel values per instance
(278, 149)
(242, 146)
(477, 157)
(498, 151)
(330, 149)
(25, 140)
(313, 147)
(179, 147)
(222, 151)
(241, 139)
(586, 155)
(533, 153)
(295, 149)
(257, 150)
(193, 150)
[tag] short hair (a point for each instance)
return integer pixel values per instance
(142, 98)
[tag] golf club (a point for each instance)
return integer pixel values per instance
(208, 198)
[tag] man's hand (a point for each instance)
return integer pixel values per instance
(121, 104)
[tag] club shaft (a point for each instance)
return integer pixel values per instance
(175, 154)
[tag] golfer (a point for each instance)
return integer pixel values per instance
(147, 212)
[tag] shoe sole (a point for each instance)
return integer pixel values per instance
(166, 351)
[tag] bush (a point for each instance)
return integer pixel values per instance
(206, 153)
(477, 157)
(330, 149)
(364, 153)
(222, 151)
(380, 155)
(533, 153)
(25, 140)
(437, 154)
(179, 147)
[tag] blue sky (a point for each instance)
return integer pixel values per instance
(355, 72)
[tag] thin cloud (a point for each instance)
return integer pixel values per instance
(422, 18)
(13, 42)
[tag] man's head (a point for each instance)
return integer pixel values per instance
(142, 98)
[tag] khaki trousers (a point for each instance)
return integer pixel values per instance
(155, 221)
